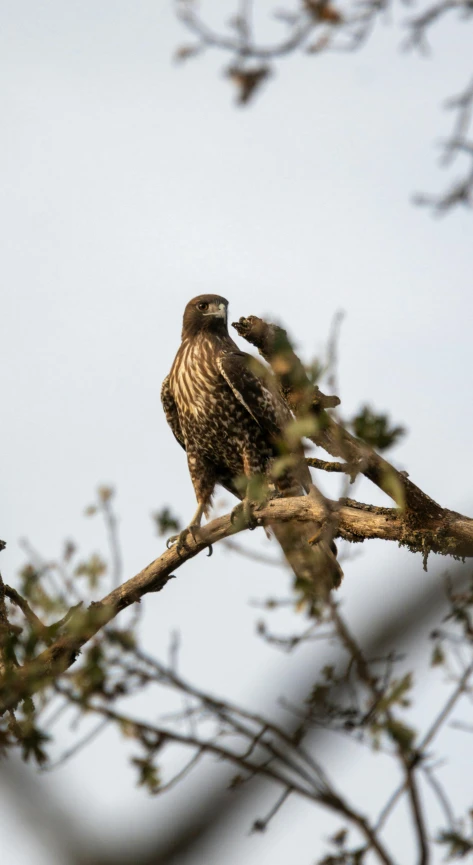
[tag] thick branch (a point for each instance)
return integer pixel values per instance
(273, 344)
(83, 625)
(450, 534)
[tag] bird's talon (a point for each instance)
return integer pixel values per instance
(249, 511)
(244, 512)
(180, 540)
(236, 513)
(194, 531)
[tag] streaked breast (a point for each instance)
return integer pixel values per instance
(194, 377)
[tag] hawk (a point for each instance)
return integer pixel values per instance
(225, 410)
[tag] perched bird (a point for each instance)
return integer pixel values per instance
(225, 410)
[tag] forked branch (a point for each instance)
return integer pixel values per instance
(304, 398)
(451, 534)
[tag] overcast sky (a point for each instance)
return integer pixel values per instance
(129, 185)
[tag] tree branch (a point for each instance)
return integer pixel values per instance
(329, 799)
(36, 624)
(303, 398)
(450, 534)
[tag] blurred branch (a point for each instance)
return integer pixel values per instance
(426, 740)
(313, 27)
(299, 780)
(303, 398)
(419, 25)
(105, 497)
(252, 555)
(263, 748)
(240, 42)
(214, 804)
(34, 621)
(405, 619)
(458, 144)
(4, 631)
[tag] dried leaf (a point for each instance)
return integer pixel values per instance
(105, 493)
(184, 52)
(322, 10)
(247, 81)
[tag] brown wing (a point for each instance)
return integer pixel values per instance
(254, 386)
(251, 383)
(170, 410)
(172, 417)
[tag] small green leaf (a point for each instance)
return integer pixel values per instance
(375, 429)
(328, 671)
(318, 695)
(315, 371)
(125, 639)
(166, 521)
(68, 550)
(304, 427)
(148, 774)
(93, 569)
(339, 838)
(397, 694)
(31, 742)
(459, 846)
(401, 734)
(438, 656)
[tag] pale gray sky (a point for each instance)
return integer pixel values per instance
(128, 186)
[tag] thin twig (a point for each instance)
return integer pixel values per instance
(440, 794)
(259, 558)
(330, 800)
(113, 541)
(36, 624)
(446, 710)
(261, 825)
(163, 788)
(71, 752)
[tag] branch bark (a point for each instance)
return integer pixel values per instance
(303, 397)
(451, 534)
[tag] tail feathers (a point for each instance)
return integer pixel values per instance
(315, 566)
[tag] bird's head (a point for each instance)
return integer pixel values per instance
(207, 312)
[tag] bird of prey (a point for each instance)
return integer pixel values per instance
(225, 410)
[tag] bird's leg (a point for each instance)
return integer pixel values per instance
(243, 516)
(192, 528)
(256, 492)
(203, 478)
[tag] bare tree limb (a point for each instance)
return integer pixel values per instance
(328, 799)
(450, 534)
(36, 624)
(274, 345)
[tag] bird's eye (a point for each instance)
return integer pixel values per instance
(202, 306)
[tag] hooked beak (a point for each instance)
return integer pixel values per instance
(220, 313)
